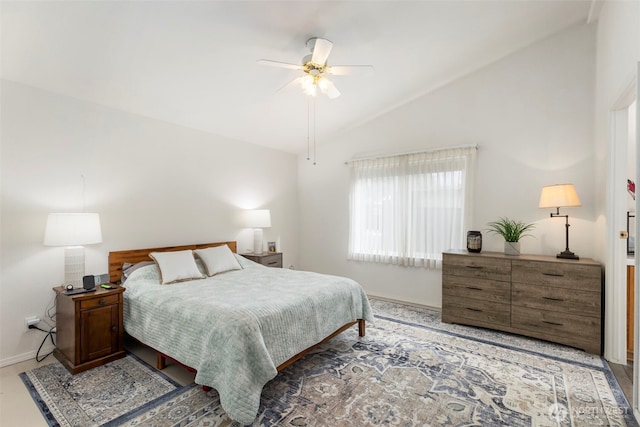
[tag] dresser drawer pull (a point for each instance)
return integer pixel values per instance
(553, 299)
(477, 267)
(272, 262)
(474, 309)
(102, 301)
(553, 274)
(473, 288)
(552, 323)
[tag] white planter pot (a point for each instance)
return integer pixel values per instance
(512, 248)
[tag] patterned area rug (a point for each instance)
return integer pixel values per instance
(106, 395)
(410, 369)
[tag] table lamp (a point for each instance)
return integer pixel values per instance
(258, 219)
(73, 230)
(557, 196)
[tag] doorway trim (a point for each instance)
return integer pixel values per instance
(615, 280)
(615, 277)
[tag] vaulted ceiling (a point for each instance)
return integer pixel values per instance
(194, 63)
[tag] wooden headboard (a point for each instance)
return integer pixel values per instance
(116, 259)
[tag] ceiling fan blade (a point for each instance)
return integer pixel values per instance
(278, 64)
(346, 70)
(320, 51)
(295, 82)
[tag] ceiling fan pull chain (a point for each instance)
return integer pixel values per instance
(308, 127)
(315, 115)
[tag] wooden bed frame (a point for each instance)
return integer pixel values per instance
(118, 258)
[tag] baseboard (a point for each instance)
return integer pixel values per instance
(413, 304)
(24, 356)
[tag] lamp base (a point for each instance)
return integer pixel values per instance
(257, 240)
(73, 266)
(567, 255)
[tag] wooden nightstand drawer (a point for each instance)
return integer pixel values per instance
(268, 259)
(99, 301)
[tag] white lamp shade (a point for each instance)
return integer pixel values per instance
(72, 229)
(258, 218)
(559, 195)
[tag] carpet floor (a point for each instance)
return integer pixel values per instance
(409, 370)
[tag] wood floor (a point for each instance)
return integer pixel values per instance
(624, 375)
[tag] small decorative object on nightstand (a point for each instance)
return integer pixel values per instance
(270, 259)
(89, 328)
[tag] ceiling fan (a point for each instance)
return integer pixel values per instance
(316, 69)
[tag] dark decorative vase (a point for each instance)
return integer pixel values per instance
(474, 241)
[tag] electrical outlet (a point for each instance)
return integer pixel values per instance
(30, 320)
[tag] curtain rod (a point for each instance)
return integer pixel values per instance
(411, 152)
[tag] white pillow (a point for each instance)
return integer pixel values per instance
(218, 259)
(176, 266)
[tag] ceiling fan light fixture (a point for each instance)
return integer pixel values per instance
(308, 84)
(327, 87)
(323, 84)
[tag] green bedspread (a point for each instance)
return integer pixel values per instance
(235, 328)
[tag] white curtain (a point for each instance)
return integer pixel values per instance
(408, 209)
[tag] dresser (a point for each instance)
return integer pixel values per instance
(534, 295)
(89, 328)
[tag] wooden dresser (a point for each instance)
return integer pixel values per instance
(534, 295)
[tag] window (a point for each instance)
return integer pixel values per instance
(408, 209)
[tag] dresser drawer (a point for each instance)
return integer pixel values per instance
(553, 323)
(99, 301)
(474, 309)
(585, 277)
(476, 266)
(557, 299)
(472, 287)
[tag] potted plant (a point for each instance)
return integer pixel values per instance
(512, 231)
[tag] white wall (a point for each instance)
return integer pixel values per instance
(153, 184)
(531, 115)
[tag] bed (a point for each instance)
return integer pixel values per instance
(239, 328)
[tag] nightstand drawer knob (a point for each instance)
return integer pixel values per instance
(102, 301)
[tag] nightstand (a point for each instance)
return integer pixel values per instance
(270, 259)
(89, 328)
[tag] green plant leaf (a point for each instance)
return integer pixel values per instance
(511, 230)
